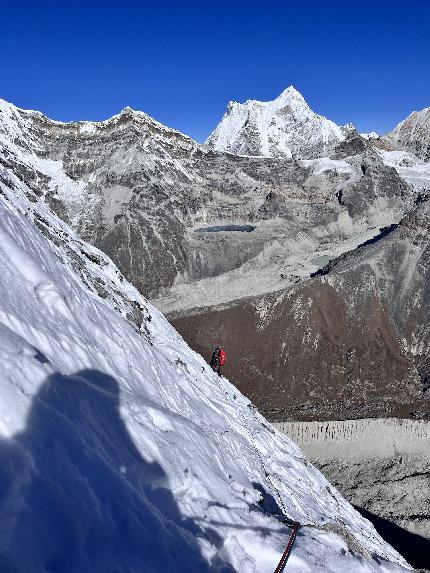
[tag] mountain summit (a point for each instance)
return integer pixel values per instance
(413, 134)
(284, 127)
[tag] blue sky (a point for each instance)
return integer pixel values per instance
(367, 62)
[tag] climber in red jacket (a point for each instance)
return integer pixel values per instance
(218, 359)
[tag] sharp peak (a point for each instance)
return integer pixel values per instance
(129, 110)
(290, 91)
(287, 94)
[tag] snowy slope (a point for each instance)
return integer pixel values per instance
(121, 450)
(413, 134)
(284, 127)
(411, 169)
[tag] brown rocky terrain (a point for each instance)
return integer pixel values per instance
(352, 342)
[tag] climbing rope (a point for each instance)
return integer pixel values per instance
(281, 565)
(294, 525)
(288, 522)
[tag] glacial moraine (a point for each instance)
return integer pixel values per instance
(382, 466)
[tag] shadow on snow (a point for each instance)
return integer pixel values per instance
(77, 496)
(414, 548)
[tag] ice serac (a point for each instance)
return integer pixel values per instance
(413, 134)
(383, 467)
(120, 449)
(284, 127)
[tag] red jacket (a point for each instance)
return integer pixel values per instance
(222, 357)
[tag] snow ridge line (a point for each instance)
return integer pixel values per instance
(294, 525)
(288, 522)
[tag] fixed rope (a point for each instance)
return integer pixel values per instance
(281, 565)
(288, 522)
(294, 525)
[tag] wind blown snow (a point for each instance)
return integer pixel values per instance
(121, 450)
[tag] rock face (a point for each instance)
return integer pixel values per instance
(413, 134)
(146, 195)
(284, 127)
(119, 183)
(351, 342)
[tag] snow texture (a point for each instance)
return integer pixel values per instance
(413, 170)
(370, 135)
(285, 127)
(121, 450)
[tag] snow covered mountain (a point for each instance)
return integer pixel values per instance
(370, 135)
(198, 229)
(413, 134)
(284, 127)
(121, 450)
(151, 198)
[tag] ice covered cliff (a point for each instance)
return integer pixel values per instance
(284, 127)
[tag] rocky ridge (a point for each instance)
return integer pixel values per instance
(413, 134)
(145, 195)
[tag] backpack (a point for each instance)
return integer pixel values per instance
(222, 357)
